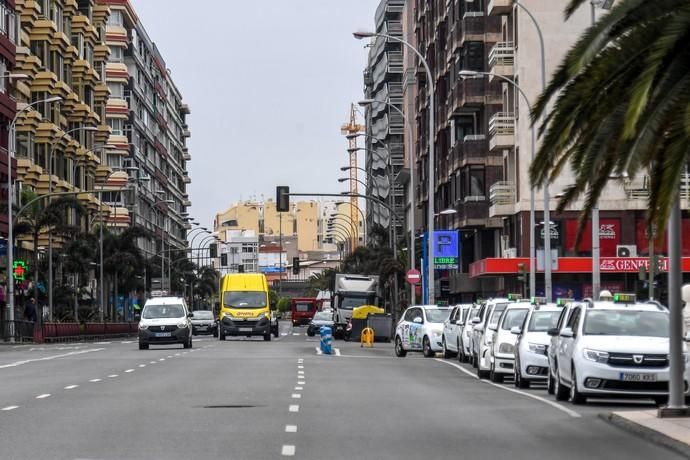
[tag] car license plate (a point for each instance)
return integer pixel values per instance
(626, 377)
(245, 329)
(163, 334)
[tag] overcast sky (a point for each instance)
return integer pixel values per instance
(269, 84)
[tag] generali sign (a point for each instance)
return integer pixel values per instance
(630, 264)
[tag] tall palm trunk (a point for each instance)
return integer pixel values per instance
(39, 308)
(76, 297)
(116, 300)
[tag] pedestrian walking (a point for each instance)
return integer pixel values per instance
(30, 310)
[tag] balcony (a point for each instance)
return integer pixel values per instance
(502, 131)
(186, 179)
(473, 27)
(187, 157)
(502, 58)
(502, 199)
(500, 7)
(471, 149)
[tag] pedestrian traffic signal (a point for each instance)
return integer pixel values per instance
(282, 198)
(224, 260)
(295, 265)
(522, 272)
(213, 250)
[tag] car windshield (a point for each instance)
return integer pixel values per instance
(437, 315)
(542, 321)
(514, 318)
(348, 303)
(626, 323)
(203, 314)
(244, 299)
(323, 316)
(163, 311)
(303, 306)
(496, 315)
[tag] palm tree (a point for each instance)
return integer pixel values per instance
(123, 261)
(78, 255)
(42, 216)
(621, 98)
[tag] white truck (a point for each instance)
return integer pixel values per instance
(352, 291)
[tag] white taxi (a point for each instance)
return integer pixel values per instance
(421, 329)
(502, 344)
(531, 361)
(610, 348)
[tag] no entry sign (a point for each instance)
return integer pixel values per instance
(413, 276)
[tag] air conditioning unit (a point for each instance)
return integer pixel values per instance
(510, 253)
(626, 250)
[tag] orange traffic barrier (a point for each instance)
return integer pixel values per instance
(367, 337)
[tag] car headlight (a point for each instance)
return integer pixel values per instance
(437, 333)
(263, 315)
(506, 348)
(182, 325)
(227, 315)
(595, 355)
(537, 348)
(143, 326)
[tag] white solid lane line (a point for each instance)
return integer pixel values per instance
(553, 404)
(8, 408)
(294, 408)
(43, 396)
(71, 387)
(48, 358)
(291, 428)
(288, 451)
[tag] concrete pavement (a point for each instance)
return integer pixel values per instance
(250, 399)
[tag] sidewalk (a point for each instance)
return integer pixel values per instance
(673, 433)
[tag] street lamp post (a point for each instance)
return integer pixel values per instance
(156, 203)
(432, 162)
(50, 233)
(532, 219)
(10, 236)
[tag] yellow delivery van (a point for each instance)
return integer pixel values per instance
(244, 306)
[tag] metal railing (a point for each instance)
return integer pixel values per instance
(19, 331)
(502, 54)
(502, 124)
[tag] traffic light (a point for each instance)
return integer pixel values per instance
(213, 250)
(282, 198)
(522, 272)
(224, 260)
(295, 265)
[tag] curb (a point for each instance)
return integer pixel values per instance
(648, 434)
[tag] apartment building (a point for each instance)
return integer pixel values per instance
(483, 148)
(8, 42)
(385, 126)
(148, 131)
(62, 51)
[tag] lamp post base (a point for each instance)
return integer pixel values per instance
(673, 412)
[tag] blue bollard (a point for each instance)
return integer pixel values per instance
(326, 339)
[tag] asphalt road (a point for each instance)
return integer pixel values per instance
(250, 399)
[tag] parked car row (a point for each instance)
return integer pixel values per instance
(617, 347)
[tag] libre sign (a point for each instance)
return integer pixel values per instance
(446, 249)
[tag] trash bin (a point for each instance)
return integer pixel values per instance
(358, 321)
(382, 324)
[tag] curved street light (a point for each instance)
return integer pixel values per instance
(430, 281)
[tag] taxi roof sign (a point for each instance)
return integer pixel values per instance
(561, 301)
(159, 293)
(538, 300)
(624, 298)
(514, 296)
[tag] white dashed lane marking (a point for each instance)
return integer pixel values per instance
(298, 388)
(288, 451)
(71, 387)
(8, 408)
(291, 428)
(296, 396)
(112, 376)
(129, 370)
(142, 365)
(294, 408)
(43, 396)
(94, 380)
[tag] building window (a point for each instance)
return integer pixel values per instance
(472, 182)
(117, 90)
(116, 18)
(116, 54)
(116, 126)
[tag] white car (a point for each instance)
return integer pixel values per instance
(465, 353)
(554, 334)
(614, 348)
(501, 351)
(483, 336)
(531, 360)
(164, 321)
(421, 329)
(452, 329)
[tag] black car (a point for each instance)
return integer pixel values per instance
(203, 322)
(321, 318)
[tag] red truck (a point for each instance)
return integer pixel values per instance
(303, 309)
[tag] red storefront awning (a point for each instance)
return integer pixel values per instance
(509, 266)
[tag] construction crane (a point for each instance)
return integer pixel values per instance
(351, 129)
